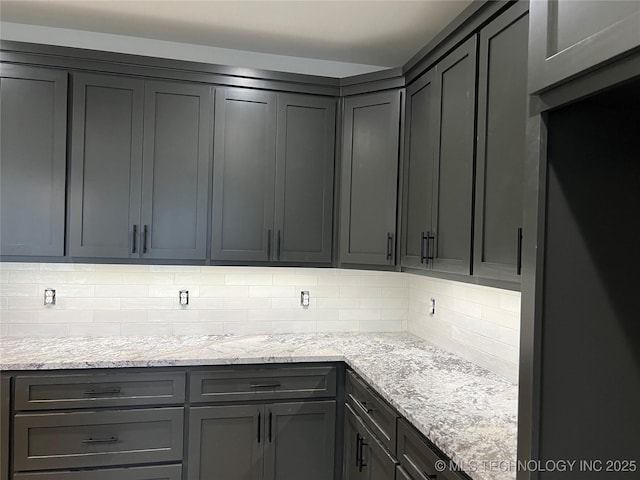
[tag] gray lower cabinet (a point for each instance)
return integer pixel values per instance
(165, 472)
(126, 204)
(439, 162)
(284, 441)
(273, 186)
(568, 38)
(502, 115)
(369, 179)
(364, 456)
(33, 127)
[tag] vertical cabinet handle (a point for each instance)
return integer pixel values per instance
(358, 451)
(519, 253)
(145, 236)
(259, 422)
(269, 244)
(270, 425)
(430, 247)
(362, 463)
(424, 239)
(278, 245)
(135, 239)
(389, 245)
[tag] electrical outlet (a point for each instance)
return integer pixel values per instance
(184, 298)
(304, 298)
(49, 296)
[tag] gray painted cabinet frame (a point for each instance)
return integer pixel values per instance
(33, 167)
(502, 114)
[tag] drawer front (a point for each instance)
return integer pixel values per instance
(91, 439)
(375, 412)
(418, 458)
(52, 392)
(164, 472)
(254, 383)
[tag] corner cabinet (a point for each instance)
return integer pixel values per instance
(502, 117)
(369, 179)
(273, 177)
(128, 204)
(568, 38)
(33, 169)
(439, 165)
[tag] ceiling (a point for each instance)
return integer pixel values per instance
(374, 33)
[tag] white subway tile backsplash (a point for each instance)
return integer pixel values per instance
(479, 323)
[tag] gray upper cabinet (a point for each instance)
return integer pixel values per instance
(419, 158)
(439, 165)
(502, 115)
(304, 178)
(244, 173)
(455, 82)
(127, 201)
(175, 173)
(106, 166)
(369, 179)
(33, 168)
(569, 37)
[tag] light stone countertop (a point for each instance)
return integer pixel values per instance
(465, 410)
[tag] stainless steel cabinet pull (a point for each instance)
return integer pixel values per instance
(92, 441)
(389, 245)
(519, 253)
(278, 246)
(265, 385)
(259, 428)
(144, 242)
(108, 391)
(135, 239)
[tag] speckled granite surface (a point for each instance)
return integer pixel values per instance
(465, 410)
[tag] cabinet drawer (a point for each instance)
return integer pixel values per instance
(52, 392)
(90, 439)
(254, 383)
(164, 472)
(418, 458)
(375, 412)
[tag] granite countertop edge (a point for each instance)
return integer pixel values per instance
(469, 413)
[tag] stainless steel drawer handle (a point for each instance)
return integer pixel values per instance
(92, 441)
(107, 391)
(265, 385)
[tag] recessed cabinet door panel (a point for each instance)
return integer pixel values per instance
(418, 171)
(455, 91)
(106, 165)
(175, 170)
(244, 175)
(33, 151)
(502, 116)
(569, 37)
(304, 178)
(300, 441)
(226, 442)
(369, 179)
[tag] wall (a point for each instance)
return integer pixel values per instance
(480, 324)
(143, 300)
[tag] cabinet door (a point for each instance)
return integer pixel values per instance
(299, 441)
(33, 149)
(106, 166)
(369, 179)
(243, 175)
(420, 139)
(450, 245)
(502, 116)
(5, 418)
(569, 37)
(351, 457)
(304, 178)
(175, 176)
(226, 442)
